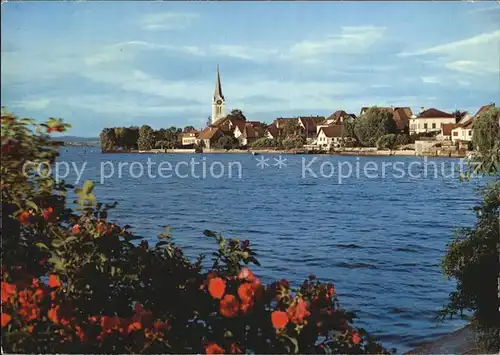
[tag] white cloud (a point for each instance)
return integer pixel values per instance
(430, 80)
(35, 104)
(350, 40)
(167, 21)
(474, 55)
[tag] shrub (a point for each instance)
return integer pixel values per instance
(386, 142)
(227, 142)
(374, 124)
(265, 142)
(72, 282)
(294, 142)
(402, 139)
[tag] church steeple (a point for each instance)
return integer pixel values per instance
(218, 101)
(218, 87)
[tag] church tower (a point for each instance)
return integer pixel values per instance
(218, 102)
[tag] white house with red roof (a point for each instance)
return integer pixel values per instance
(430, 120)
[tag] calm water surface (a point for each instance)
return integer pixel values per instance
(380, 240)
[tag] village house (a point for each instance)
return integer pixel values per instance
(249, 133)
(272, 131)
(189, 138)
(338, 117)
(308, 124)
(464, 130)
(209, 137)
(446, 131)
(330, 137)
(430, 120)
(400, 115)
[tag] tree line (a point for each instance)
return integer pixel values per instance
(141, 138)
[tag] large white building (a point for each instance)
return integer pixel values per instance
(218, 101)
(430, 120)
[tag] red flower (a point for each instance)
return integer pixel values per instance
(298, 311)
(245, 291)
(213, 348)
(54, 281)
(75, 229)
(8, 290)
(134, 326)
(56, 128)
(6, 318)
(331, 290)
(356, 339)
(25, 217)
(49, 215)
(279, 319)
(53, 314)
(216, 287)
(235, 349)
(229, 306)
(246, 274)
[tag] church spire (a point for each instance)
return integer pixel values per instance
(218, 87)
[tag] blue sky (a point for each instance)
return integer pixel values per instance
(104, 64)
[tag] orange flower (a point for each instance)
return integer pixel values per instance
(245, 291)
(213, 348)
(109, 323)
(160, 326)
(246, 274)
(356, 339)
(29, 312)
(8, 290)
(53, 314)
(279, 319)
(134, 326)
(216, 287)
(75, 229)
(49, 215)
(229, 306)
(298, 311)
(25, 217)
(57, 128)
(54, 281)
(6, 318)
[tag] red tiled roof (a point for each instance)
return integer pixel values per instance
(435, 113)
(311, 122)
(446, 128)
(484, 109)
(400, 116)
(332, 131)
(208, 133)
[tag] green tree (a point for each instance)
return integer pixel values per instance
(386, 141)
(189, 129)
(227, 142)
(208, 122)
(473, 256)
(459, 115)
(108, 140)
(146, 139)
(291, 128)
(374, 124)
(237, 114)
(130, 136)
(119, 136)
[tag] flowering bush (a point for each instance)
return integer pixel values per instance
(72, 282)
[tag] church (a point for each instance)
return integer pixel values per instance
(218, 101)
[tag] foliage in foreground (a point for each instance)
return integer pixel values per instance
(72, 282)
(473, 256)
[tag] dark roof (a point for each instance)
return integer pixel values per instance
(406, 109)
(435, 113)
(339, 115)
(446, 128)
(273, 130)
(310, 122)
(332, 131)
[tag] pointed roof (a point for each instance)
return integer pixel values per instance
(218, 87)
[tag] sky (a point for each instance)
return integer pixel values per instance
(110, 64)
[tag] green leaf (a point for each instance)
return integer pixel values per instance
(42, 246)
(57, 243)
(32, 205)
(70, 239)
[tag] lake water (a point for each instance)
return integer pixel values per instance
(379, 239)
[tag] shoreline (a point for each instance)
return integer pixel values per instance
(372, 153)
